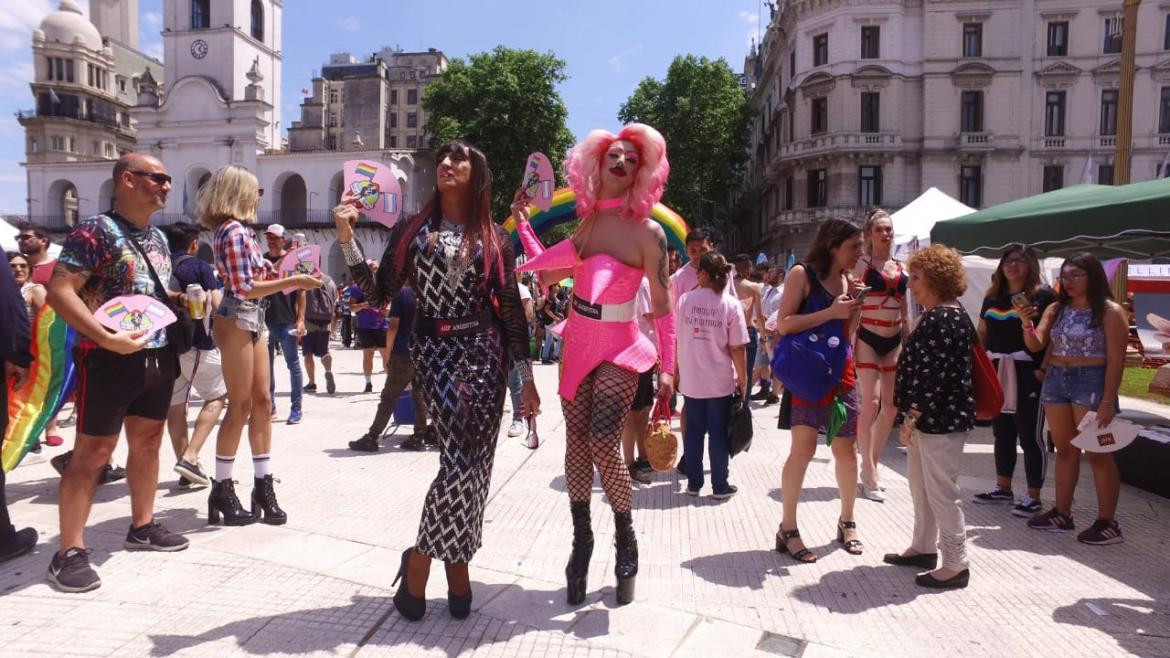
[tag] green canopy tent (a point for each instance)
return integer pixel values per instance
(1126, 221)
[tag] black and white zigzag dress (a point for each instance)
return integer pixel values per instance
(464, 377)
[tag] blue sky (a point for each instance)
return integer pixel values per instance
(608, 47)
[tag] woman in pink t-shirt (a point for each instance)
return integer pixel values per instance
(712, 366)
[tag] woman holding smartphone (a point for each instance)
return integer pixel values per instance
(1087, 332)
(1014, 285)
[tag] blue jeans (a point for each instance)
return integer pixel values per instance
(552, 346)
(707, 416)
(516, 390)
(288, 347)
(752, 347)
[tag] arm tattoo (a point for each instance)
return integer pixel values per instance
(663, 263)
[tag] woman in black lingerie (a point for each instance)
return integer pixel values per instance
(879, 340)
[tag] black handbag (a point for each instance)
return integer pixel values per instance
(181, 333)
(739, 426)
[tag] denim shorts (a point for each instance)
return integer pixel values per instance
(248, 314)
(1083, 386)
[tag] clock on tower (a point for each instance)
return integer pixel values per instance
(199, 49)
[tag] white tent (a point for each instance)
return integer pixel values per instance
(912, 223)
(8, 234)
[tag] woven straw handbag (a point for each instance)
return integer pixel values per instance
(661, 443)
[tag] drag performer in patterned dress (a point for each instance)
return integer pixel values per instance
(470, 328)
(616, 180)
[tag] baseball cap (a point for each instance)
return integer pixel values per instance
(275, 229)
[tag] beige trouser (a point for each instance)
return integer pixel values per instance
(934, 487)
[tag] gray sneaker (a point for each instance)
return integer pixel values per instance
(192, 472)
(517, 428)
(71, 572)
(638, 475)
(154, 537)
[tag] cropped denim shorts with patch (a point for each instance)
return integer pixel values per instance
(1083, 386)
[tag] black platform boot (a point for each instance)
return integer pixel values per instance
(224, 503)
(578, 567)
(626, 567)
(264, 501)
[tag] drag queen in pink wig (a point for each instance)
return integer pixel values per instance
(616, 179)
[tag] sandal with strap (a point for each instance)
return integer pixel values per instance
(853, 546)
(803, 555)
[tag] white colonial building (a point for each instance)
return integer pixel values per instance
(220, 105)
(864, 103)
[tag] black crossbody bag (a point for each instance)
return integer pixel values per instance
(180, 334)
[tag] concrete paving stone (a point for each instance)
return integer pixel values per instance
(709, 577)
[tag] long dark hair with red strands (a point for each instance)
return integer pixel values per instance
(479, 228)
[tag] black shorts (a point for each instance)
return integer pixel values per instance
(367, 338)
(112, 386)
(644, 395)
(315, 343)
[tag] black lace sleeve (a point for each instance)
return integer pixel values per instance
(380, 289)
(511, 310)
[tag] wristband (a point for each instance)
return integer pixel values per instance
(524, 368)
(664, 329)
(352, 253)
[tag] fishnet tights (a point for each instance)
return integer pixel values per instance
(593, 424)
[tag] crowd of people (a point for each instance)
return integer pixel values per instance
(455, 317)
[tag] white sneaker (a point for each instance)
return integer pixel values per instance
(516, 428)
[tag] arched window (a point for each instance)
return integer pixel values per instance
(200, 14)
(257, 20)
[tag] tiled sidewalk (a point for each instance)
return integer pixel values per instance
(710, 583)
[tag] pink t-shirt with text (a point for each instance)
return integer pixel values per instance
(709, 325)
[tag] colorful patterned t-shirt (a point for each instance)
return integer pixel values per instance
(99, 248)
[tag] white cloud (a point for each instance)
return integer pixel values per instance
(749, 16)
(349, 23)
(152, 19)
(18, 19)
(14, 79)
(154, 50)
(618, 61)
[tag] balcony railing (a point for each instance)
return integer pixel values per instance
(1053, 142)
(1109, 141)
(287, 218)
(110, 121)
(843, 141)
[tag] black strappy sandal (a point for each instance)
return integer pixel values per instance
(853, 546)
(803, 555)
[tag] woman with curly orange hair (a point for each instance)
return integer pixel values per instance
(933, 389)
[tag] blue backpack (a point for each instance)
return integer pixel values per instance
(810, 363)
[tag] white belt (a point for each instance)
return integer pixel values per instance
(625, 312)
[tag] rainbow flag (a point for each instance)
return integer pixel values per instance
(116, 310)
(367, 170)
(52, 378)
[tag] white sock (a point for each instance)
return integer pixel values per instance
(368, 379)
(223, 467)
(262, 465)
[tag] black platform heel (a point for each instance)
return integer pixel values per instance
(626, 567)
(223, 506)
(459, 605)
(264, 505)
(408, 605)
(578, 567)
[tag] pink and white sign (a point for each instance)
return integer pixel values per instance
(134, 313)
(376, 191)
(302, 260)
(538, 182)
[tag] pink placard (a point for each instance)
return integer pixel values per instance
(302, 260)
(134, 313)
(539, 182)
(376, 191)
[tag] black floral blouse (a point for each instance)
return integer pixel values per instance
(934, 372)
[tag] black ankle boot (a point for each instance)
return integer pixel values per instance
(264, 505)
(224, 502)
(626, 567)
(578, 567)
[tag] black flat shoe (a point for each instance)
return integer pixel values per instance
(459, 605)
(23, 541)
(957, 581)
(408, 605)
(922, 560)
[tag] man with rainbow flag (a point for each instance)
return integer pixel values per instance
(14, 362)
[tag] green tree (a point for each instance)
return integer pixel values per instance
(506, 103)
(703, 112)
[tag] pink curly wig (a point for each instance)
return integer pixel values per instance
(583, 169)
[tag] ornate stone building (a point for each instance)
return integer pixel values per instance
(865, 103)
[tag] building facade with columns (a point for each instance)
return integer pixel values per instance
(869, 103)
(220, 105)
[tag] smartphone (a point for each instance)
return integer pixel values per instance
(1020, 300)
(861, 293)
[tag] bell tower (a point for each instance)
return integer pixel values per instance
(232, 44)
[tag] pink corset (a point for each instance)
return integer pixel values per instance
(604, 287)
